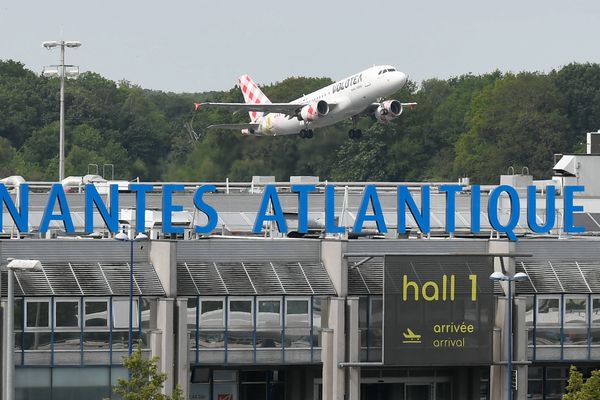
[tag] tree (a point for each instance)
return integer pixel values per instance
(580, 85)
(145, 382)
(518, 121)
(577, 389)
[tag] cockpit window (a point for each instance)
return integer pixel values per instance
(391, 69)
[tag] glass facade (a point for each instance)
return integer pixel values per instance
(370, 324)
(563, 327)
(549, 382)
(77, 331)
(254, 329)
(67, 383)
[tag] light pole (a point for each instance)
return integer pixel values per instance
(13, 265)
(140, 237)
(59, 70)
(499, 276)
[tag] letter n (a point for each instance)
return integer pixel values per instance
(421, 218)
(21, 219)
(93, 198)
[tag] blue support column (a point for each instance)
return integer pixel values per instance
(589, 310)
(535, 308)
(110, 329)
(226, 333)
(312, 345)
(130, 338)
(197, 326)
(81, 323)
(509, 336)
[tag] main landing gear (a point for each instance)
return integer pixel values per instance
(306, 133)
(354, 133)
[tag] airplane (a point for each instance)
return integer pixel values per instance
(411, 337)
(359, 94)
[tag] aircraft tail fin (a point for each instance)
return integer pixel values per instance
(252, 95)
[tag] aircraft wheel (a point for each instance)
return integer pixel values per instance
(302, 134)
(309, 134)
(354, 133)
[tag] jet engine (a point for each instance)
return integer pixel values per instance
(314, 110)
(388, 110)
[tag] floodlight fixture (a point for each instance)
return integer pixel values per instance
(122, 236)
(520, 276)
(73, 43)
(24, 265)
(51, 72)
(50, 44)
(62, 73)
(498, 276)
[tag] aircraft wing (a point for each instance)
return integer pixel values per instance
(233, 126)
(283, 108)
(409, 106)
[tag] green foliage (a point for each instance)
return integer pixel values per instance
(475, 125)
(577, 389)
(518, 121)
(145, 382)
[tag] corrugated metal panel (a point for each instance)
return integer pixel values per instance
(417, 246)
(62, 280)
(251, 250)
(292, 278)
(34, 283)
(235, 278)
(146, 281)
(367, 278)
(560, 266)
(373, 276)
(555, 249)
(87, 280)
(75, 251)
(318, 278)
(266, 278)
(204, 276)
(591, 272)
(91, 279)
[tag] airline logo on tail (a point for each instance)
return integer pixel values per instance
(252, 95)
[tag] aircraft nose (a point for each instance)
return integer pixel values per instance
(401, 79)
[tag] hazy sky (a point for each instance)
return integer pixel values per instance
(205, 45)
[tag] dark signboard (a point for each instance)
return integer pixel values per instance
(438, 310)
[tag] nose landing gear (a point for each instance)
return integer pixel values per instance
(306, 133)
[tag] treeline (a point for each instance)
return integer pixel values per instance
(472, 125)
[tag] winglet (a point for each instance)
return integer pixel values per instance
(197, 106)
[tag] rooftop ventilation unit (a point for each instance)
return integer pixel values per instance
(593, 142)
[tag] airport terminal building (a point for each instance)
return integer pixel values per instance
(235, 315)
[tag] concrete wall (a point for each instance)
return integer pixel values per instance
(163, 255)
(332, 257)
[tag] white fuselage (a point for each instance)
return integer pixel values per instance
(348, 97)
